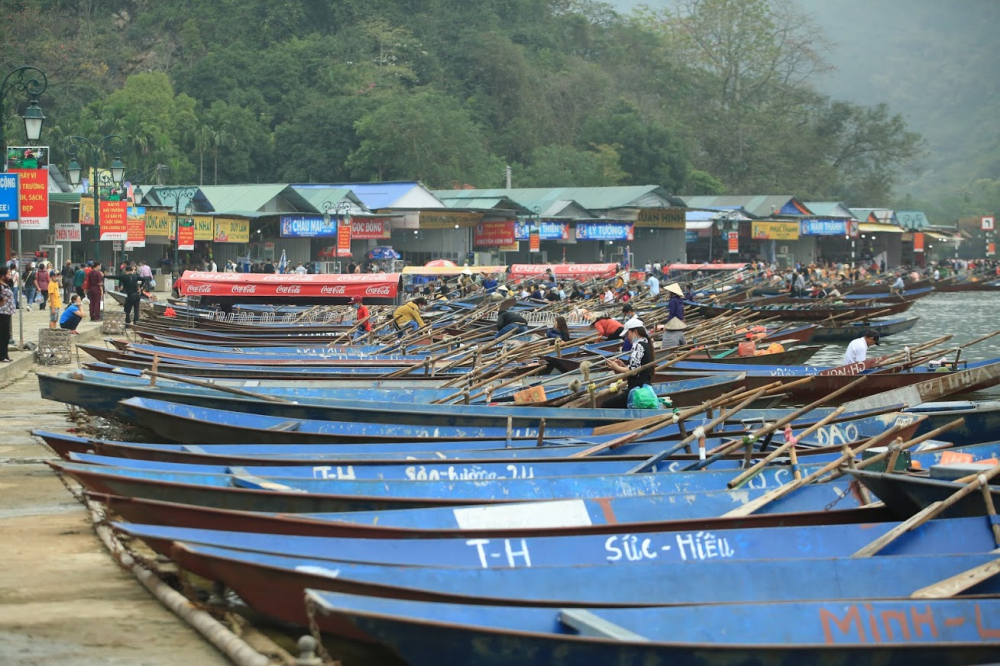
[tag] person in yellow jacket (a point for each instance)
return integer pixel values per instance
(407, 316)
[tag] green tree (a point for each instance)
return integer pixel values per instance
(566, 166)
(424, 136)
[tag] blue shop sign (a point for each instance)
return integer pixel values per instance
(547, 230)
(823, 228)
(308, 226)
(604, 231)
(690, 236)
(8, 197)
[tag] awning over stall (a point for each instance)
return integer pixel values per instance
(578, 271)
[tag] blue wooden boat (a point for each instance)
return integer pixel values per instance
(850, 332)
(438, 506)
(273, 584)
(906, 495)
(831, 633)
(76, 388)
(936, 537)
(981, 419)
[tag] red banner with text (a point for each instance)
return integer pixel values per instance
(370, 228)
(344, 232)
(34, 190)
(114, 220)
(493, 234)
(185, 236)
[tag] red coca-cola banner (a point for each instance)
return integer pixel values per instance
(493, 234)
(258, 285)
(580, 271)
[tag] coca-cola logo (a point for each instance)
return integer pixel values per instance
(199, 289)
(215, 277)
(244, 289)
(277, 277)
(333, 289)
(288, 289)
(384, 290)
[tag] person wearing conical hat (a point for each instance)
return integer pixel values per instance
(673, 334)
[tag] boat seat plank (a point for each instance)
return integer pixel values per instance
(588, 624)
(244, 479)
(950, 587)
(286, 426)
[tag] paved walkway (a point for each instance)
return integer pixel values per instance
(35, 319)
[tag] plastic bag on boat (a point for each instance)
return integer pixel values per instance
(643, 397)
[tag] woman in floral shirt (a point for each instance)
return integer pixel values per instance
(6, 313)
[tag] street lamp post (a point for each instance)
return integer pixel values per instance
(33, 81)
(342, 209)
(75, 145)
(178, 194)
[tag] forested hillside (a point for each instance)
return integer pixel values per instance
(704, 96)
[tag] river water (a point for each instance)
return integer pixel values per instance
(966, 316)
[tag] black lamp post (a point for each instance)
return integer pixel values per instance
(32, 81)
(75, 145)
(177, 194)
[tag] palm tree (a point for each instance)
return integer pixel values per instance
(219, 137)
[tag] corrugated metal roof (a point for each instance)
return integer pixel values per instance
(831, 209)
(757, 205)
(376, 195)
(64, 197)
(590, 198)
(239, 197)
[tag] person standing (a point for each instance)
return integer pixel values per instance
(857, 351)
(95, 290)
(363, 317)
(673, 334)
(79, 278)
(144, 271)
(6, 313)
(654, 286)
(30, 285)
(66, 275)
(132, 285)
(42, 280)
(55, 299)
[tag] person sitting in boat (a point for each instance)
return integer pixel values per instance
(673, 333)
(407, 316)
(500, 294)
(508, 320)
(857, 351)
(362, 315)
(560, 329)
(640, 355)
(72, 315)
(897, 286)
(610, 329)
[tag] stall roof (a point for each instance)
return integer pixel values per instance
(275, 287)
(452, 270)
(756, 205)
(871, 228)
(589, 198)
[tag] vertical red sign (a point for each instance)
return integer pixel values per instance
(734, 242)
(34, 190)
(185, 237)
(344, 238)
(534, 242)
(114, 220)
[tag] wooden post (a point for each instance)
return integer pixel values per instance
(541, 432)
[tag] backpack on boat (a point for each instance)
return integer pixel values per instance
(643, 397)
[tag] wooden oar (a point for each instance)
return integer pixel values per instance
(980, 480)
(778, 493)
(777, 425)
(753, 471)
(836, 474)
(663, 455)
(215, 387)
(652, 424)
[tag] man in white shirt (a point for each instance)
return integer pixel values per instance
(897, 286)
(654, 286)
(301, 270)
(857, 351)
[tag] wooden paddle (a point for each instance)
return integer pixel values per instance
(216, 387)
